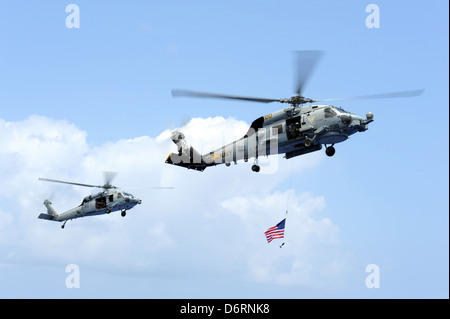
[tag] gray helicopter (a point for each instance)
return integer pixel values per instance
(296, 130)
(105, 202)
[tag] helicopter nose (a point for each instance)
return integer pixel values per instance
(346, 119)
(361, 123)
(133, 200)
(357, 119)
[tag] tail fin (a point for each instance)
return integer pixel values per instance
(187, 156)
(52, 214)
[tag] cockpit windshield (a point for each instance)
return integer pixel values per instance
(340, 109)
(329, 112)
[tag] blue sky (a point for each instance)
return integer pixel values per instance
(75, 102)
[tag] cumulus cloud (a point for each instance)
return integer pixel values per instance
(211, 223)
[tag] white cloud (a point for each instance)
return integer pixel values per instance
(5, 221)
(159, 237)
(212, 222)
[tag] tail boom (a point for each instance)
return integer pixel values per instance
(51, 212)
(187, 156)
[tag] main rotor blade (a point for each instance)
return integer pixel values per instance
(304, 63)
(378, 96)
(71, 183)
(162, 187)
(151, 187)
(108, 177)
(185, 93)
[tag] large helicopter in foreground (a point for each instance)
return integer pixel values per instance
(105, 202)
(295, 130)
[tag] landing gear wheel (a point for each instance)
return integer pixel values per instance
(123, 213)
(330, 151)
(308, 142)
(255, 168)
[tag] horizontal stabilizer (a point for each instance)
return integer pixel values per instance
(46, 216)
(175, 159)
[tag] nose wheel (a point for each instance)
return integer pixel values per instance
(123, 213)
(330, 150)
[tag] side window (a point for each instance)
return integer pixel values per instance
(111, 197)
(100, 203)
(278, 129)
(329, 112)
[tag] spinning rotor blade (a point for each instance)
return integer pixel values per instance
(108, 177)
(378, 96)
(151, 187)
(161, 187)
(64, 182)
(185, 93)
(304, 63)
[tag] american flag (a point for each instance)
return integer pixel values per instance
(275, 231)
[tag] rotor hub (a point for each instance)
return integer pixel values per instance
(297, 100)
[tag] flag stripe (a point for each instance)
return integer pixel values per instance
(269, 239)
(273, 231)
(271, 228)
(277, 234)
(274, 235)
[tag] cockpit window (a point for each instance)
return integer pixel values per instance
(340, 109)
(119, 195)
(329, 112)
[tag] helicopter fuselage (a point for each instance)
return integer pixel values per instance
(97, 204)
(292, 131)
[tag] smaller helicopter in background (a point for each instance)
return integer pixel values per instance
(105, 202)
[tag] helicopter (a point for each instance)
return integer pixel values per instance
(301, 128)
(105, 202)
